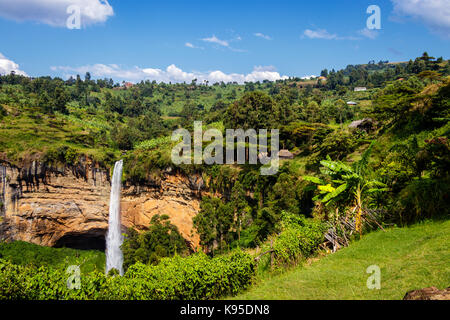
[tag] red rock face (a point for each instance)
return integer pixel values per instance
(176, 198)
(71, 207)
(431, 293)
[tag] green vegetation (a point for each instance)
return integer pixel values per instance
(197, 277)
(27, 254)
(410, 258)
(344, 182)
(299, 239)
(351, 185)
(162, 239)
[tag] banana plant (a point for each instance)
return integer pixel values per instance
(346, 183)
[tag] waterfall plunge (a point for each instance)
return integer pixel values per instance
(114, 239)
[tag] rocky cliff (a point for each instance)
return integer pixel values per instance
(68, 206)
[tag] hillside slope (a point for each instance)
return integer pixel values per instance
(409, 258)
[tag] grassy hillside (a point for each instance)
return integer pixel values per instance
(392, 169)
(409, 258)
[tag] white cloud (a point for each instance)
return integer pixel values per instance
(325, 35)
(54, 12)
(216, 40)
(319, 34)
(171, 74)
(7, 66)
(192, 46)
(224, 43)
(371, 34)
(434, 13)
(263, 36)
(308, 77)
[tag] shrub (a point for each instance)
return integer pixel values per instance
(2, 112)
(63, 154)
(161, 240)
(197, 277)
(422, 199)
(299, 239)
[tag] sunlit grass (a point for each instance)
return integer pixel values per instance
(409, 258)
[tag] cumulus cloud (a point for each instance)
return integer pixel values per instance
(7, 66)
(434, 13)
(54, 12)
(263, 36)
(171, 74)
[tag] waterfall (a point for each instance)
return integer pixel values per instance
(114, 239)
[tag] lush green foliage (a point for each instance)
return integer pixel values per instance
(403, 176)
(196, 277)
(298, 240)
(162, 239)
(27, 254)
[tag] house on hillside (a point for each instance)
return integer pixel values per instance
(352, 103)
(285, 155)
(128, 85)
(360, 89)
(365, 124)
(282, 155)
(124, 86)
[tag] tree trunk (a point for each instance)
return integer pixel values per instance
(239, 229)
(359, 213)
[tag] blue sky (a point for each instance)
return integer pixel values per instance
(215, 40)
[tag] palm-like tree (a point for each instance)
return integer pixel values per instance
(347, 183)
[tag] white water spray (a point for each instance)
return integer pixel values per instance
(114, 239)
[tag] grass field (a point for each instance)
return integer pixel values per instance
(409, 258)
(23, 137)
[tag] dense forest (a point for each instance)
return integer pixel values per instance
(362, 160)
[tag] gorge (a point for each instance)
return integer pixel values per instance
(67, 206)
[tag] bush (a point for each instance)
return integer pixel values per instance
(63, 154)
(299, 239)
(422, 199)
(197, 277)
(2, 112)
(161, 240)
